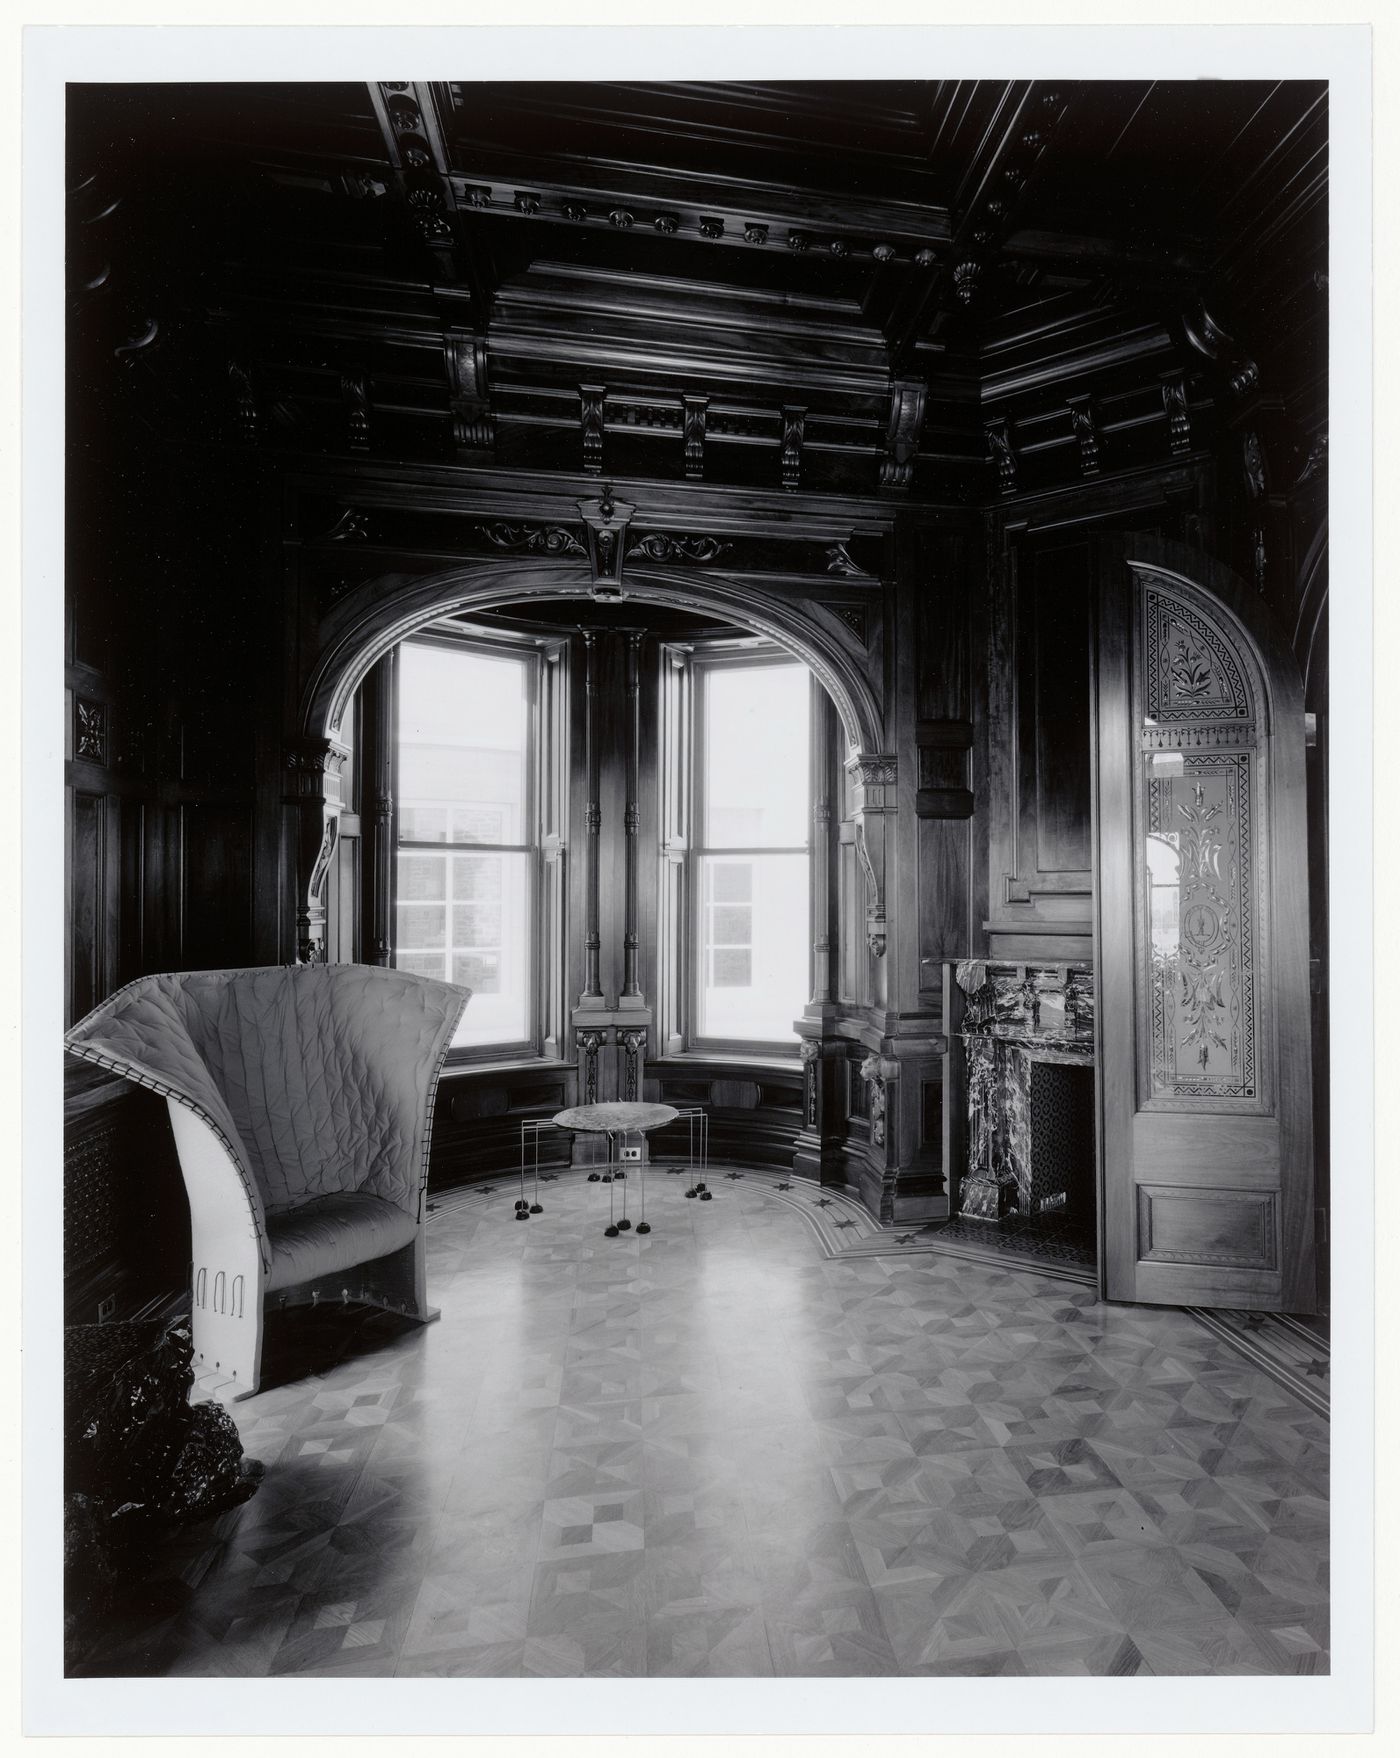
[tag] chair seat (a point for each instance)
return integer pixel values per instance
(330, 1233)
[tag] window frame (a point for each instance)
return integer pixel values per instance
(683, 799)
(544, 665)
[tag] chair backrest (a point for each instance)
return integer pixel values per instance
(318, 1077)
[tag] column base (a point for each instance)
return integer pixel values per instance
(985, 1199)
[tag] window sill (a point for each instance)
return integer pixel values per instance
(507, 1065)
(700, 1059)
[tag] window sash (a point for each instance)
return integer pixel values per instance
(531, 937)
(697, 852)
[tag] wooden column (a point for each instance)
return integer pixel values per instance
(631, 989)
(823, 991)
(593, 824)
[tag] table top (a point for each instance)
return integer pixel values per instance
(616, 1115)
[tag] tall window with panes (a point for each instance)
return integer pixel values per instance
(738, 854)
(467, 830)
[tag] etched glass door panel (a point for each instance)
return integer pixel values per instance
(1199, 938)
(1201, 932)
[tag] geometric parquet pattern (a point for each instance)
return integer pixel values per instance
(726, 1450)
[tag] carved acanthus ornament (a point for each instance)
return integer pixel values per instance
(663, 546)
(537, 539)
(90, 730)
(838, 561)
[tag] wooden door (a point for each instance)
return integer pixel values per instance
(1201, 942)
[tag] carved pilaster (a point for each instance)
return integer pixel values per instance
(874, 775)
(313, 769)
(810, 1052)
(634, 1049)
(880, 1073)
(589, 1042)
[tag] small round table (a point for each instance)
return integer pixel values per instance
(616, 1119)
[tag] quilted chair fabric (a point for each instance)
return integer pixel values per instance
(315, 1077)
(317, 1084)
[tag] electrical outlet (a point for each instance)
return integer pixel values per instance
(106, 1309)
(631, 1153)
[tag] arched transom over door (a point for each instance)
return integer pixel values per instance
(1205, 1053)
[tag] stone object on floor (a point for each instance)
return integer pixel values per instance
(138, 1457)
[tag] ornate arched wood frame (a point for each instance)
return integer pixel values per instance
(379, 614)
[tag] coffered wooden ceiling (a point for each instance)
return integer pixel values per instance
(951, 289)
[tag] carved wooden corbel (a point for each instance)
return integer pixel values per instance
(999, 447)
(695, 408)
(794, 421)
(907, 400)
(473, 428)
(591, 399)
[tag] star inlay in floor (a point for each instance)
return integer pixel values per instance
(727, 1448)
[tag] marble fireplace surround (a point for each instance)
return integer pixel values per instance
(1028, 1150)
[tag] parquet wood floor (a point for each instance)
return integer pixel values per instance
(754, 1442)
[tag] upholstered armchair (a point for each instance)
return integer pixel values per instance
(301, 1100)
